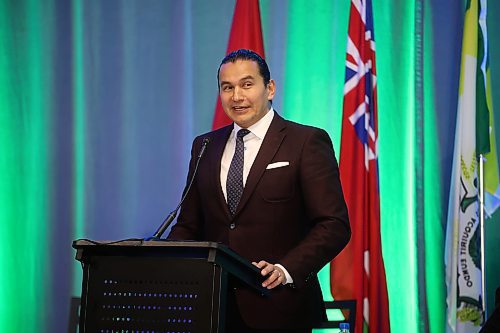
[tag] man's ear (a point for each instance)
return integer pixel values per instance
(271, 88)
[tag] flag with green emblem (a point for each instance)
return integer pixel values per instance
(474, 136)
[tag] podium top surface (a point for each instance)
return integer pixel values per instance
(81, 243)
(158, 245)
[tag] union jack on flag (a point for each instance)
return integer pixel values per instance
(358, 272)
(360, 89)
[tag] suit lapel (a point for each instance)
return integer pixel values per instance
(219, 138)
(268, 149)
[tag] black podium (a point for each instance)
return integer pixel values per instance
(159, 286)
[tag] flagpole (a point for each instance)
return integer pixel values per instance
(481, 226)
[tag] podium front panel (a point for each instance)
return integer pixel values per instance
(152, 294)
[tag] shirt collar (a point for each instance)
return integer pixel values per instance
(259, 129)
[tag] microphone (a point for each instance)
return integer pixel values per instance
(168, 220)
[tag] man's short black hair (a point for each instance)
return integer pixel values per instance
(243, 54)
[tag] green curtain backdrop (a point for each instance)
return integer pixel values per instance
(99, 102)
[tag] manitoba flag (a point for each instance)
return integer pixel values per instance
(246, 33)
(358, 272)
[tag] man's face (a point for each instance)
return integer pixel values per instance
(245, 98)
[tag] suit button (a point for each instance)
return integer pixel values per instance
(232, 226)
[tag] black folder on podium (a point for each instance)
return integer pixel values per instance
(159, 286)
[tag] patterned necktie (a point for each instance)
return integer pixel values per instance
(234, 184)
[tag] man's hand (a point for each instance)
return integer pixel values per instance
(275, 275)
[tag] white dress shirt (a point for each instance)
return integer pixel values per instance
(252, 142)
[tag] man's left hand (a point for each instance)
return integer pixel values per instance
(275, 274)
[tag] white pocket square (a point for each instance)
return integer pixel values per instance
(277, 165)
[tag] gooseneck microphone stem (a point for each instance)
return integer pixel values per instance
(170, 218)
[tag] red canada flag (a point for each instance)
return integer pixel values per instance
(246, 33)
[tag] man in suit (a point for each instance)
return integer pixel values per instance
(269, 189)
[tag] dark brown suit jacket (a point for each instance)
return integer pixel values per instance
(294, 215)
